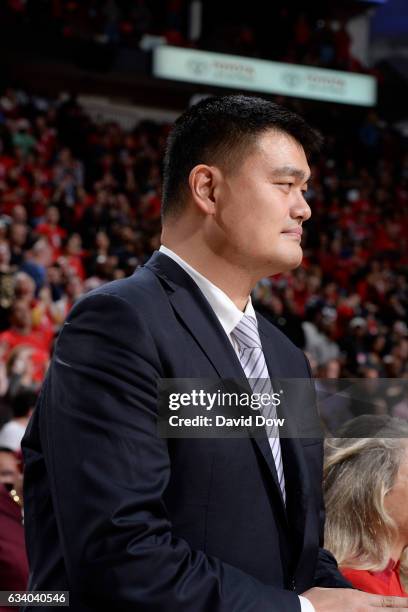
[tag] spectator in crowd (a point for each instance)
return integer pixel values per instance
(21, 329)
(22, 406)
(36, 260)
(13, 558)
(319, 333)
(10, 474)
(25, 370)
(366, 495)
(7, 275)
(25, 349)
(18, 240)
(52, 231)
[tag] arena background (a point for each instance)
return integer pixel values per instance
(83, 122)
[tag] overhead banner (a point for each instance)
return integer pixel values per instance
(238, 72)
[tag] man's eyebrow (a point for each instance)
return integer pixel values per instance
(290, 171)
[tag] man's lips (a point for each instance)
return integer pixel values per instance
(295, 231)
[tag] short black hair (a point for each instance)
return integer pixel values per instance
(220, 129)
(6, 449)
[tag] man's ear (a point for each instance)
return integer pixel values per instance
(203, 181)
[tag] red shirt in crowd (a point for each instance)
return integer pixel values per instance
(39, 344)
(386, 582)
(54, 235)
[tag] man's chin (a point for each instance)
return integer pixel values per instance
(283, 265)
(292, 265)
(292, 258)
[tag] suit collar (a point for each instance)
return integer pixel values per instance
(197, 315)
(224, 308)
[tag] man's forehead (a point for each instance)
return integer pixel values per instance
(282, 151)
(288, 170)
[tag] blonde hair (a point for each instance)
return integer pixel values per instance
(358, 474)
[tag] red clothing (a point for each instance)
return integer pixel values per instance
(39, 343)
(76, 264)
(386, 582)
(13, 557)
(12, 338)
(54, 235)
(39, 361)
(6, 163)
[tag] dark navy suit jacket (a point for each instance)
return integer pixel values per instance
(127, 520)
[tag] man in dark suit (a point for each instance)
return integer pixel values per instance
(128, 520)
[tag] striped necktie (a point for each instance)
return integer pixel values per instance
(246, 339)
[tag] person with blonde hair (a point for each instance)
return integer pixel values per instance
(366, 495)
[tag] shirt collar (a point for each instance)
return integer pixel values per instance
(227, 313)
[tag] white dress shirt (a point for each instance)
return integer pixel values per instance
(229, 315)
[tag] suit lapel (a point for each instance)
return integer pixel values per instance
(197, 315)
(295, 469)
(210, 335)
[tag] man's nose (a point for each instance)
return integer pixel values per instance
(300, 209)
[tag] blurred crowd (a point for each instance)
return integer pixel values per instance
(285, 33)
(80, 206)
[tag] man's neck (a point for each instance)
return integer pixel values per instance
(234, 282)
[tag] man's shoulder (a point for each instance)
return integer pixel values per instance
(125, 312)
(123, 303)
(141, 288)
